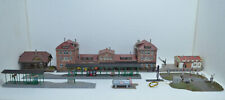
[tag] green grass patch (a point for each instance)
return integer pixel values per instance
(215, 85)
(183, 85)
(170, 75)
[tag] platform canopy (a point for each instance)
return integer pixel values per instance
(105, 65)
(24, 71)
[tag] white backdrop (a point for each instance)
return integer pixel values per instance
(117, 24)
(14, 34)
(210, 37)
(113, 23)
(43, 24)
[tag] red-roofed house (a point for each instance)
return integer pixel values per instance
(68, 53)
(188, 61)
(34, 59)
(146, 53)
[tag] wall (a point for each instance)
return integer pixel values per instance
(113, 23)
(210, 36)
(14, 37)
(42, 25)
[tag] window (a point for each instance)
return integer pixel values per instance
(146, 65)
(147, 58)
(147, 47)
(61, 58)
(61, 65)
(107, 58)
(142, 52)
(194, 64)
(65, 47)
(60, 52)
(125, 58)
(66, 58)
(87, 58)
(70, 52)
(101, 58)
(65, 52)
(147, 52)
(152, 52)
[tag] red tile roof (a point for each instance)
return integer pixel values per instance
(188, 58)
(67, 45)
(143, 43)
(107, 50)
(28, 56)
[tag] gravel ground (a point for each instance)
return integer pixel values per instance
(51, 85)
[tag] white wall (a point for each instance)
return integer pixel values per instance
(13, 33)
(113, 23)
(210, 37)
(96, 25)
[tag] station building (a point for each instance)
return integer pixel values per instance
(145, 54)
(188, 61)
(34, 59)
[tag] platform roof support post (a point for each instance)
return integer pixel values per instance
(10, 79)
(30, 77)
(26, 78)
(82, 69)
(16, 78)
(19, 78)
(43, 78)
(131, 72)
(124, 70)
(137, 70)
(100, 70)
(118, 70)
(75, 72)
(112, 69)
(5, 79)
(105, 70)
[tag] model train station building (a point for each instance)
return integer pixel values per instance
(144, 53)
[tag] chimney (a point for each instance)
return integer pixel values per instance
(75, 40)
(150, 40)
(64, 39)
(35, 53)
(138, 41)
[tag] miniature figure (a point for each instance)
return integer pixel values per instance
(211, 78)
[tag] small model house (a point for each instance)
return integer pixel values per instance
(188, 61)
(144, 53)
(34, 59)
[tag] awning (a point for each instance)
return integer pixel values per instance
(105, 65)
(24, 71)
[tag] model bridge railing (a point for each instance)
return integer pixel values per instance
(24, 76)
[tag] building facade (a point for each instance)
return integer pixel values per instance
(188, 61)
(34, 59)
(145, 53)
